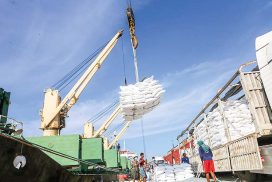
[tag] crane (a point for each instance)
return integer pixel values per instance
(55, 109)
(118, 136)
(90, 133)
(89, 129)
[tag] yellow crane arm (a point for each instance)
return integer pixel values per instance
(71, 98)
(107, 123)
(119, 135)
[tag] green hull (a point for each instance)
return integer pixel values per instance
(66, 144)
(112, 158)
(39, 166)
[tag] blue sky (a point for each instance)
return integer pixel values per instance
(191, 46)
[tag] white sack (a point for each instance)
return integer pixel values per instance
(140, 98)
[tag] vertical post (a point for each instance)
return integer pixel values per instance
(207, 129)
(189, 140)
(179, 151)
(221, 109)
(227, 132)
(172, 151)
(193, 151)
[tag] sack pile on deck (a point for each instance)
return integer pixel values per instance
(140, 98)
(166, 173)
(237, 117)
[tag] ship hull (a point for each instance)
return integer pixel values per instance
(39, 167)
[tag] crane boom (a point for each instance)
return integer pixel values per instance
(54, 110)
(107, 123)
(119, 135)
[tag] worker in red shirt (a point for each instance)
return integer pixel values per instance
(142, 164)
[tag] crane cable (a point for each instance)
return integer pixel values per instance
(134, 43)
(124, 64)
(82, 68)
(103, 112)
(75, 72)
(143, 137)
(108, 133)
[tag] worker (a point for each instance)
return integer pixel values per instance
(152, 164)
(118, 146)
(184, 158)
(135, 169)
(206, 156)
(142, 164)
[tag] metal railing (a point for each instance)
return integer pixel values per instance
(10, 126)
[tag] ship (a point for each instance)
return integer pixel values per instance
(73, 157)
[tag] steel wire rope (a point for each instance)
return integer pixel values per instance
(81, 71)
(112, 130)
(71, 73)
(143, 137)
(142, 125)
(101, 115)
(78, 67)
(124, 64)
(108, 133)
(68, 76)
(97, 117)
(103, 112)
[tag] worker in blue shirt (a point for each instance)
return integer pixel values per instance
(206, 157)
(184, 159)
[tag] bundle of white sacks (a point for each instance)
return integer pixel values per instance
(140, 98)
(182, 172)
(201, 132)
(216, 128)
(238, 120)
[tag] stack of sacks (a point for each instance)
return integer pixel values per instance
(216, 128)
(239, 119)
(201, 133)
(164, 173)
(183, 172)
(174, 173)
(140, 98)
